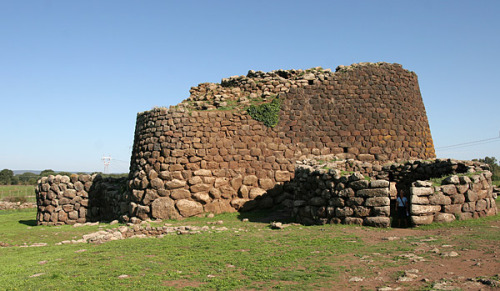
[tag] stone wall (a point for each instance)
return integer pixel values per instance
(208, 155)
(325, 192)
(458, 197)
(324, 196)
(80, 198)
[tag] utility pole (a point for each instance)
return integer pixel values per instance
(106, 161)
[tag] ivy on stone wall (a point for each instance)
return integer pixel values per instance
(267, 113)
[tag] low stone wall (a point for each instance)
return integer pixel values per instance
(80, 198)
(459, 197)
(324, 196)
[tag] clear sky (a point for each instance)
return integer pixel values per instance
(74, 74)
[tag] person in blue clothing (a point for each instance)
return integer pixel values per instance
(403, 209)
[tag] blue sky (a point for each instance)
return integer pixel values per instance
(74, 74)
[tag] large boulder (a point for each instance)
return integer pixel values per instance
(164, 208)
(189, 208)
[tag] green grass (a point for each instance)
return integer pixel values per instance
(249, 255)
(27, 191)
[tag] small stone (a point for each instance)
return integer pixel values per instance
(123, 276)
(37, 275)
(356, 279)
(245, 220)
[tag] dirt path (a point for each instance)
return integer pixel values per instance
(441, 260)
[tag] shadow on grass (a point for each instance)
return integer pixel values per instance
(31, 222)
(268, 215)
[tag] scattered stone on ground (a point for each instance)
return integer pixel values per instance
(4, 205)
(123, 276)
(37, 275)
(142, 231)
(450, 254)
(356, 279)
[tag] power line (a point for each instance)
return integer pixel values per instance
(471, 143)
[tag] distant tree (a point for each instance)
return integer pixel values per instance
(6, 177)
(494, 166)
(27, 178)
(47, 172)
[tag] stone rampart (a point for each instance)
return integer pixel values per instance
(80, 199)
(208, 155)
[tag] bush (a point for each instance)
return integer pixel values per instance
(267, 113)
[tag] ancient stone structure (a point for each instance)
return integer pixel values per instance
(80, 198)
(208, 154)
(323, 195)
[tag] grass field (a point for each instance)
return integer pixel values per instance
(249, 255)
(26, 191)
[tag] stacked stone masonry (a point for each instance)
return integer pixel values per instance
(80, 199)
(207, 155)
(322, 195)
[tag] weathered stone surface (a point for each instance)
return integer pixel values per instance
(377, 221)
(481, 205)
(256, 192)
(360, 184)
(377, 201)
(444, 217)
(266, 183)
(164, 208)
(453, 208)
(439, 199)
(422, 200)
(188, 208)
(422, 220)
(157, 184)
(174, 184)
(424, 209)
(250, 180)
(379, 184)
(178, 194)
(376, 192)
(449, 189)
(345, 211)
(353, 220)
(421, 191)
(282, 176)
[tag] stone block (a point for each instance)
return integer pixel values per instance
(377, 201)
(453, 208)
(470, 196)
(174, 184)
(422, 200)
(381, 211)
(361, 211)
(256, 192)
(376, 192)
(188, 208)
(142, 212)
(449, 189)
(203, 172)
(266, 183)
(157, 184)
(150, 196)
(444, 217)
(339, 202)
(421, 191)
(377, 221)
(439, 199)
(200, 188)
(422, 220)
(69, 193)
(343, 212)
(282, 176)
(178, 194)
(164, 208)
(352, 220)
(481, 205)
(250, 180)
(379, 184)
(202, 197)
(457, 199)
(424, 209)
(358, 185)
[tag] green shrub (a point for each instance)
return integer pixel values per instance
(267, 113)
